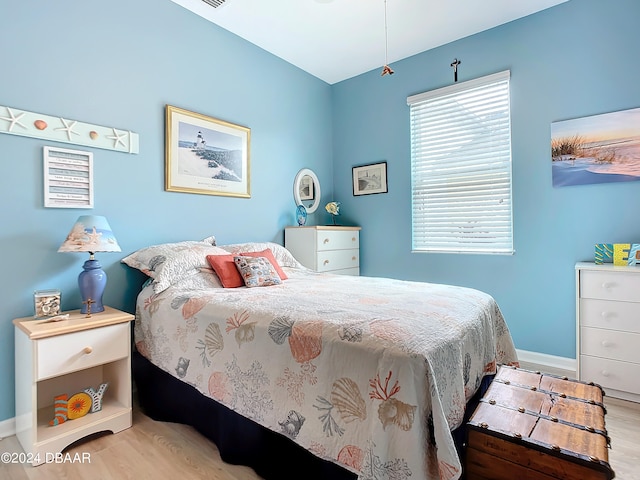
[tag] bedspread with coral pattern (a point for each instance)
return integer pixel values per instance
(370, 373)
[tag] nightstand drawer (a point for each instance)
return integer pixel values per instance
(614, 374)
(337, 240)
(609, 285)
(599, 342)
(66, 353)
(624, 316)
(338, 259)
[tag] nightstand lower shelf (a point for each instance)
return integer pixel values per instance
(112, 418)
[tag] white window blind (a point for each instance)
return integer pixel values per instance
(461, 168)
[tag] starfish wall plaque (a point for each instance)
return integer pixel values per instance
(59, 129)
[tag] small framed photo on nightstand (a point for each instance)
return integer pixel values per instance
(46, 303)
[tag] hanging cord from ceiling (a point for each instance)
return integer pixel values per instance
(386, 70)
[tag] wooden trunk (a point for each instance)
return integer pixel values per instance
(530, 426)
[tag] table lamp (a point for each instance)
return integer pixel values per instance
(91, 234)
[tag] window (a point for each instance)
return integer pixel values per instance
(461, 168)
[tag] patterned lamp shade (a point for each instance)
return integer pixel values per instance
(90, 233)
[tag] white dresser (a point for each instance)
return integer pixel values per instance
(608, 328)
(331, 249)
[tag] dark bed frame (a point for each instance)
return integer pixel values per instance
(241, 441)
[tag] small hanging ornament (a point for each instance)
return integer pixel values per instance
(386, 70)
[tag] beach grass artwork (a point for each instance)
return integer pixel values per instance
(596, 149)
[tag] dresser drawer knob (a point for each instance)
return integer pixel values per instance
(353, 258)
(607, 285)
(606, 343)
(326, 240)
(326, 262)
(87, 350)
(353, 239)
(606, 315)
(604, 373)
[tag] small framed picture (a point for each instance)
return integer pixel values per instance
(46, 303)
(368, 179)
(68, 178)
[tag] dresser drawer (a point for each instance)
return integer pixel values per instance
(608, 314)
(614, 374)
(338, 259)
(76, 351)
(337, 240)
(608, 285)
(599, 342)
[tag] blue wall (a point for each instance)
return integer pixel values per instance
(120, 64)
(573, 60)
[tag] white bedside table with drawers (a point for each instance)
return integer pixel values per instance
(608, 328)
(66, 357)
(332, 249)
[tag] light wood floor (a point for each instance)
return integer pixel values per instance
(157, 450)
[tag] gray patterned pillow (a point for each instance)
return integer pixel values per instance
(257, 271)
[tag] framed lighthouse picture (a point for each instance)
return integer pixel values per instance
(206, 155)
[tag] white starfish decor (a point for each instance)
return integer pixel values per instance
(68, 127)
(13, 120)
(117, 138)
(59, 129)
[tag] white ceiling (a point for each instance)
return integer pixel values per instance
(339, 39)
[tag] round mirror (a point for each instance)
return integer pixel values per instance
(306, 190)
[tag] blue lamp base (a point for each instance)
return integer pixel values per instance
(92, 281)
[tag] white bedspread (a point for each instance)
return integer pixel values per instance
(370, 373)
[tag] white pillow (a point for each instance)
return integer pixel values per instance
(283, 256)
(168, 263)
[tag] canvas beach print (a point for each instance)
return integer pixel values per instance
(206, 155)
(596, 149)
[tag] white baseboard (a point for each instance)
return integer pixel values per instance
(562, 366)
(7, 427)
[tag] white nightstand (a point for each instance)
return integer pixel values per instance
(332, 249)
(54, 358)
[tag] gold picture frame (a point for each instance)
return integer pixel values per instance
(205, 155)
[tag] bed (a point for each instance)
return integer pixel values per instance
(354, 377)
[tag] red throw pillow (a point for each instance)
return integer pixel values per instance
(228, 273)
